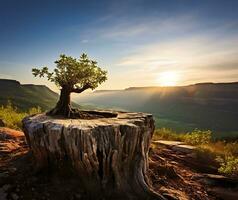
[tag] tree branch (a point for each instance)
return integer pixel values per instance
(79, 90)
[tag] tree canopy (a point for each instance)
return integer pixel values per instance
(74, 74)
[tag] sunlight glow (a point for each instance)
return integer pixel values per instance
(168, 78)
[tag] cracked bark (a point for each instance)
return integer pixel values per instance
(109, 155)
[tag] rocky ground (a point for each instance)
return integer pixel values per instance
(175, 172)
(178, 173)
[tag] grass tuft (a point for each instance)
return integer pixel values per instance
(12, 117)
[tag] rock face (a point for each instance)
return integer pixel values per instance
(109, 155)
(10, 141)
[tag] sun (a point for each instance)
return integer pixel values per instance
(168, 78)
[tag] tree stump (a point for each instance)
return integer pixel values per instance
(109, 155)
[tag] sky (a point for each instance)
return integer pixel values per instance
(139, 42)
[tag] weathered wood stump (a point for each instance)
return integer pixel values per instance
(109, 155)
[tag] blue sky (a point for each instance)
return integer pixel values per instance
(136, 41)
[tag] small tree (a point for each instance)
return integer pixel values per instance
(72, 75)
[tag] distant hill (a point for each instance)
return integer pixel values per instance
(25, 96)
(204, 105)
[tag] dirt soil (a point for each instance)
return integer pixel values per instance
(174, 174)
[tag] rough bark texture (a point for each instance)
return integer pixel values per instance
(110, 155)
(63, 105)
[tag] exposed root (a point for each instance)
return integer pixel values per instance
(74, 113)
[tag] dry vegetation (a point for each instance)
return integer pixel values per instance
(12, 117)
(222, 154)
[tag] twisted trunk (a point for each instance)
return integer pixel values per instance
(63, 105)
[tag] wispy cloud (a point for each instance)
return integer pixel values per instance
(194, 48)
(143, 27)
(137, 41)
(201, 57)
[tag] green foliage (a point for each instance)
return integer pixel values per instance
(196, 137)
(228, 165)
(12, 117)
(25, 96)
(229, 160)
(75, 74)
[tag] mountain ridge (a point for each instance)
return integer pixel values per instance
(167, 87)
(204, 105)
(25, 96)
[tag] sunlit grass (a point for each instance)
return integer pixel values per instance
(12, 117)
(195, 137)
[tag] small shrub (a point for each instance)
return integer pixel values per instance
(229, 160)
(198, 137)
(12, 117)
(228, 165)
